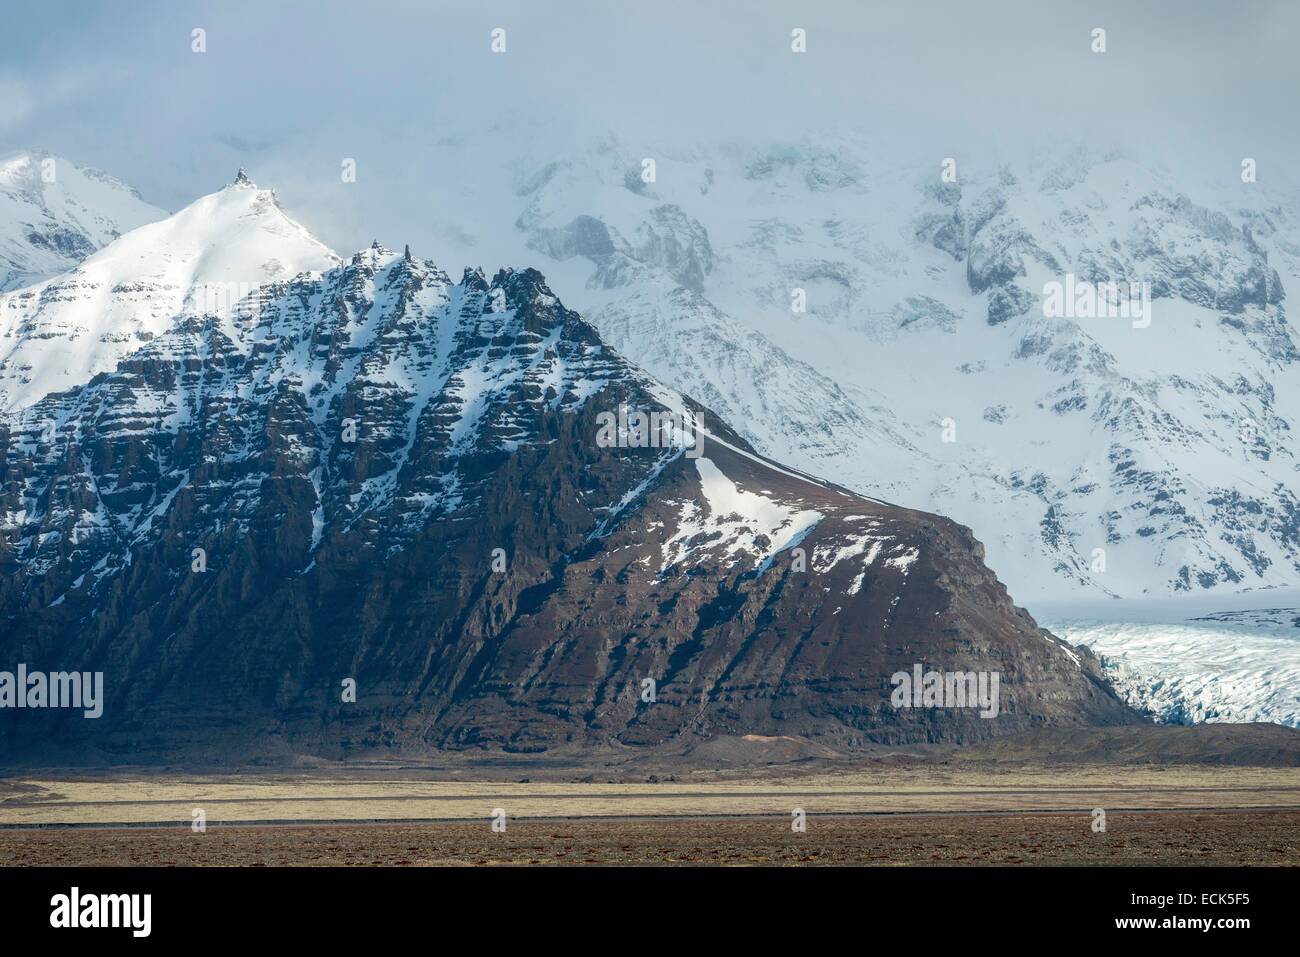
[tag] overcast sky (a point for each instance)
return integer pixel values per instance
(289, 88)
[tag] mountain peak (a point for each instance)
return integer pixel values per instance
(201, 260)
(242, 180)
(374, 255)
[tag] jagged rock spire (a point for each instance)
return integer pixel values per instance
(241, 178)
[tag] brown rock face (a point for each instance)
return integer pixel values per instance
(402, 482)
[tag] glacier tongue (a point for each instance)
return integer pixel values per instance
(1231, 667)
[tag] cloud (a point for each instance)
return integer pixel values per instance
(16, 103)
(291, 89)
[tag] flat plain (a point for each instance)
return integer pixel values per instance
(1131, 838)
(911, 814)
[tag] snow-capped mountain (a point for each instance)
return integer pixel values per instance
(377, 474)
(1094, 456)
(53, 214)
(1166, 437)
(210, 256)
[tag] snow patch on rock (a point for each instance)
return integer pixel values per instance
(742, 525)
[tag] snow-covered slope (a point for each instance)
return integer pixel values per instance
(207, 259)
(1092, 456)
(53, 214)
